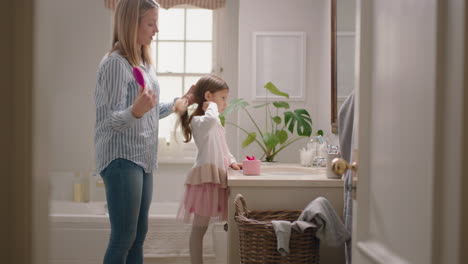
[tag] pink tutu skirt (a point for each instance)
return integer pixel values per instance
(206, 199)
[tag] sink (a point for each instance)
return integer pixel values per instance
(288, 170)
(282, 173)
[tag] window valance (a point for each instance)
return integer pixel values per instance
(208, 4)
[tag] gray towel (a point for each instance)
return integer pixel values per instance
(283, 234)
(320, 213)
(345, 126)
(345, 134)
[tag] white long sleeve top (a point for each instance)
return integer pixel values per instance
(213, 156)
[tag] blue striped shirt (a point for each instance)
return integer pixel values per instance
(118, 133)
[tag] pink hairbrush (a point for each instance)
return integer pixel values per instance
(139, 76)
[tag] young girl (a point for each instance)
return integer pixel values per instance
(206, 189)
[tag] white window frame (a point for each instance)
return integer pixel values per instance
(179, 152)
(213, 42)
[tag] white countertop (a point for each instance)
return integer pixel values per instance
(284, 175)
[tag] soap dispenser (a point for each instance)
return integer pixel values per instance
(318, 144)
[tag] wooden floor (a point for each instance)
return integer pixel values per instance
(182, 260)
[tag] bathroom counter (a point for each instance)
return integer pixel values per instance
(290, 175)
(283, 187)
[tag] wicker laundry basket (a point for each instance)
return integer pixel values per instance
(258, 240)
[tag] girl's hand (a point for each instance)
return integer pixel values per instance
(205, 105)
(145, 101)
(236, 166)
(180, 105)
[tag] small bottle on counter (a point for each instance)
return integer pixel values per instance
(80, 188)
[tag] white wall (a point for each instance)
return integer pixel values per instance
(72, 37)
(312, 17)
(228, 52)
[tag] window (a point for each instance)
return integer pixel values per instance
(182, 53)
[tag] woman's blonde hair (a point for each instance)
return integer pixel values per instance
(126, 20)
(207, 83)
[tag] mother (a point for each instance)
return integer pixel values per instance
(127, 119)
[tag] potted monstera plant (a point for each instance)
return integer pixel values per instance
(283, 126)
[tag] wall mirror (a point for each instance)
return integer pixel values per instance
(343, 28)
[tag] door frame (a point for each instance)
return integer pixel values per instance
(451, 131)
(16, 137)
(464, 208)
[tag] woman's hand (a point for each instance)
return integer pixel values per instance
(145, 101)
(190, 95)
(180, 105)
(236, 166)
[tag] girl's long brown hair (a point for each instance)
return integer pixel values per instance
(206, 83)
(126, 20)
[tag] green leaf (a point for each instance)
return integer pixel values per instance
(270, 140)
(320, 132)
(250, 138)
(262, 105)
(222, 119)
(277, 120)
(274, 90)
(281, 104)
(301, 119)
(234, 105)
(282, 136)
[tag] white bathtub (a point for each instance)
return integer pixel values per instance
(79, 233)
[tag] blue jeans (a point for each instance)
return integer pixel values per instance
(129, 192)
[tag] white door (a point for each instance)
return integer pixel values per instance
(397, 104)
